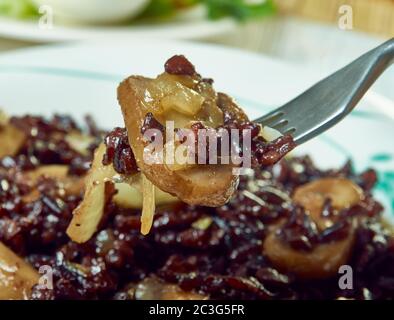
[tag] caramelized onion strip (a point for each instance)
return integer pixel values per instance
(88, 214)
(100, 184)
(17, 277)
(148, 205)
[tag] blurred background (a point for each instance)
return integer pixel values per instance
(318, 34)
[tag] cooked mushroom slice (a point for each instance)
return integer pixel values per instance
(324, 259)
(79, 142)
(130, 195)
(4, 119)
(58, 172)
(183, 99)
(156, 289)
(142, 194)
(72, 185)
(11, 139)
(342, 192)
(322, 262)
(17, 277)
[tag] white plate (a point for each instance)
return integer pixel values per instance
(189, 25)
(81, 79)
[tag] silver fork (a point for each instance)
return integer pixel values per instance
(330, 100)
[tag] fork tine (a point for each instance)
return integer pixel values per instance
(292, 131)
(269, 117)
(279, 124)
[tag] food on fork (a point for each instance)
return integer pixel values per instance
(182, 96)
(187, 102)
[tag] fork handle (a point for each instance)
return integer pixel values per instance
(336, 96)
(371, 65)
(357, 77)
